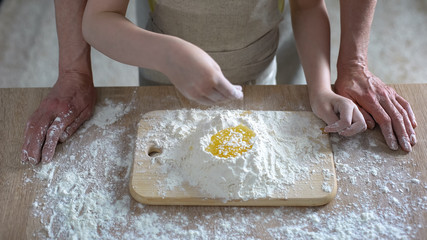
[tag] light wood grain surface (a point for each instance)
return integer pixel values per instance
(16, 197)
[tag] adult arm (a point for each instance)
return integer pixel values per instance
(377, 101)
(196, 75)
(310, 24)
(71, 100)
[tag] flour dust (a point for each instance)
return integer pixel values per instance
(85, 195)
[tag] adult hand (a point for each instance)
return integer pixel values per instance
(70, 103)
(197, 76)
(379, 103)
(340, 113)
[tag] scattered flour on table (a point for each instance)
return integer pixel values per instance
(106, 114)
(85, 196)
(281, 153)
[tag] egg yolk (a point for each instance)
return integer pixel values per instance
(231, 142)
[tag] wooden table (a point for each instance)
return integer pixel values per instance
(381, 192)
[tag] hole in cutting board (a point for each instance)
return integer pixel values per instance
(154, 151)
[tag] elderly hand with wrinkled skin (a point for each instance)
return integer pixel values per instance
(379, 103)
(376, 101)
(67, 106)
(72, 99)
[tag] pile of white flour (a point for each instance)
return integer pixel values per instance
(282, 152)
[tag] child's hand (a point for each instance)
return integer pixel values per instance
(340, 113)
(197, 76)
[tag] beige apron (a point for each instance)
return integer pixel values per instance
(241, 36)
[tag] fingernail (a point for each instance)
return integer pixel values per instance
(46, 158)
(413, 139)
(394, 145)
(63, 136)
(32, 160)
(406, 144)
(24, 156)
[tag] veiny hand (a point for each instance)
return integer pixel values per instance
(381, 103)
(197, 76)
(70, 103)
(340, 113)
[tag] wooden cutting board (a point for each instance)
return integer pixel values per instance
(146, 174)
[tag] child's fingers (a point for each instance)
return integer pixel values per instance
(228, 90)
(345, 115)
(216, 96)
(358, 124)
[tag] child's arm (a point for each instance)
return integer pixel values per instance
(312, 34)
(189, 68)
